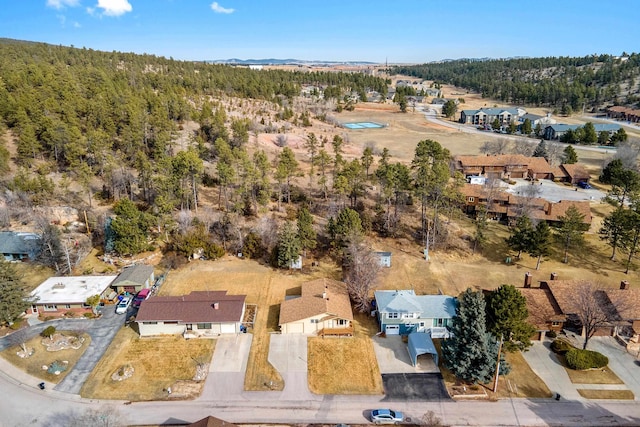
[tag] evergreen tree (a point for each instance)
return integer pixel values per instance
(571, 230)
(449, 109)
(367, 159)
(520, 235)
(286, 168)
(589, 134)
(540, 243)
(507, 317)
(625, 182)
(526, 127)
(306, 234)
(569, 155)
(130, 227)
(288, 245)
(14, 299)
(614, 229)
(467, 353)
(541, 150)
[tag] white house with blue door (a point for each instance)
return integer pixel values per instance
(403, 312)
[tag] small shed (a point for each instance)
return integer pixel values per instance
(421, 343)
(296, 264)
(384, 258)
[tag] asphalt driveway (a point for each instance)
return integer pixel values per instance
(418, 386)
(102, 331)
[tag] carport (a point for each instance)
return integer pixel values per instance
(420, 343)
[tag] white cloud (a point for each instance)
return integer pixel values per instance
(76, 25)
(219, 9)
(62, 19)
(59, 4)
(114, 7)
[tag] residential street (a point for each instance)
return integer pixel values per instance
(25, 405)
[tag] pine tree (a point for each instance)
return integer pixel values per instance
(507, 317)
(569, 155)
(520, 235)
(306, 234)
(540, 243)
(288, 245)
(541, 150)
(14, 300)
(571, 230)
(467, 353)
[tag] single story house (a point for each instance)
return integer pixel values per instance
(384, 258)
(211, 422)
(323, 308)
(618, 112)
(58, 296)
(134, 278)
(573, 173)
(402, 312)
(503, 166)
(200, 314)
(19, 246)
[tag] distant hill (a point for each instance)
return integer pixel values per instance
(563, 83)
(275, 61)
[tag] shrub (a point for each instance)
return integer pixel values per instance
(48, 331)
(561, 346)
(579, 359)
(552, 334)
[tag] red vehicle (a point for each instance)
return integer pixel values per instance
(141, 296)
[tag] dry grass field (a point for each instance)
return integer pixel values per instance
(158, 363)
(607, 394)
(41, 357)
(331, 362)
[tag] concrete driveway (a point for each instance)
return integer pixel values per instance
(393, 357)
(288, 354)
(227, 368)
(545, 364)
(620, 361)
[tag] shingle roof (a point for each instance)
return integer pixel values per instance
(197, 307)
(563, 292)
(136, 274)
(630, 309)
(311, 303)
(406, 301)
(497, 160)
(539, 165)
(12, 242)
(542, 307)
(211, 422)
(576, 171)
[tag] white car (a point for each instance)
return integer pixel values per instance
(386, 416)
(123, 305)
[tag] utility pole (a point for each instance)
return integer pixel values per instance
(495, 384)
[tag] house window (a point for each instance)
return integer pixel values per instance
(341, 322)
(392, 315)
(67, 306)
(149, 323)
(171, 322)
(50, 307)
(555, 323)
(204, 325)
(438, 323)
(471, 199)
(314, 320)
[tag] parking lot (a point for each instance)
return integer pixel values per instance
(554, 192)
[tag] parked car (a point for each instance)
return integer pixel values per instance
(386, 416)
(123, 305)
(584, 184)
(141, 296)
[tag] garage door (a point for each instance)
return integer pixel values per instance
(295, 328)
(228, 328)
(392, 329)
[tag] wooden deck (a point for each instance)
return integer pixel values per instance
(336, 332)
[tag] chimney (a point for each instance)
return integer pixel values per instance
(216, 305)
(528, 278)
(550, 208)
(624, 285)
(324, 295)
(554, 276)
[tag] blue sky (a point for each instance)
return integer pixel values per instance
(374, 30)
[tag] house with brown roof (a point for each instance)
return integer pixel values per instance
(544, 312)
(627, 303)
(323, 308)
(501, 205)
(573, 173)
(619, 112)
(211, 422)
(200, 314)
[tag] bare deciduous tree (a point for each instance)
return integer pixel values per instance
(184, 221)
(361, 269)
(554, 152)
(594, 310)
(282, 140)
(523, 147)
(628, 153)
(495, 146)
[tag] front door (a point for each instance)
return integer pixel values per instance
(189, 327)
